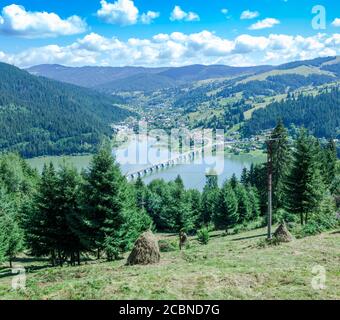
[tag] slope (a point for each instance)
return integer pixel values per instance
(40, 116)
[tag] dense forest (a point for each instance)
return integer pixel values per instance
(276, 84)
(66, 215)
(319, 114)
(39, 116)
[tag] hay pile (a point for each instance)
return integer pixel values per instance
(145, 251)
(282, 234)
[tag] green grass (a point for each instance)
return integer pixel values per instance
(228, 267)
(302, 70)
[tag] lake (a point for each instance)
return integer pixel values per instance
(139, 154)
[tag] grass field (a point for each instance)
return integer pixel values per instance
(229, 267)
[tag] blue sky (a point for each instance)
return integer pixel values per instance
(168, 32)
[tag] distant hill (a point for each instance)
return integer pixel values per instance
(320, 114)
(117, 79)
(89, 76)
(113, 79)
(39, 116)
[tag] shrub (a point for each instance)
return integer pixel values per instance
(203, 235)
(167, 245)
(282, 215)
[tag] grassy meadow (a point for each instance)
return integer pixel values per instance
(237, 266)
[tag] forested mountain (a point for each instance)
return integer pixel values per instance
(113, 79)
(116, 79)
(89, 76)
(39, 116)
(320, 114)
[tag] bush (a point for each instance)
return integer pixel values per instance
(167, 245)
(282, 215)
(203, 236)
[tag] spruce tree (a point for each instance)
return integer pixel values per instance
(244, 204)
(281, 162)
(71, 240)
(41, 220)
(181, 207)
(209, 198)
(112, 217)
(329, 163)
(11, 235)
(140, 193)
(245, 177)
(305, 188)
(226, 214)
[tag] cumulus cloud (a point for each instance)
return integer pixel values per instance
(147, 18)
(225, 11)
(177, 48)
(178, 14)
(247, 15)
(336, 22)
(264, 24)
(15, 20)
(123, 12)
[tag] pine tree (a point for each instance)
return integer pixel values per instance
(70, 217)
(233, 181)
(329, 163)
(40, 221)
(140, 193)
(209, 198)
(281, 162)
(181, 207)
(245, 177)
(254, 202)
(11, 236)
(112, 216)
(226, 214)
(305, 187)
(195, 199)
(244, 204)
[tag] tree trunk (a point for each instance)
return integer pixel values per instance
(53, 258)
(78, 258)
(72, 259)
(60, 258)
(10, 262)
(98, 254)
(301, 218)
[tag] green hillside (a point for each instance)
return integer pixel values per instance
(44, 117)
(229, 267)
(320, 114)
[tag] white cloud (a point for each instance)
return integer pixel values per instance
(225, 11)
(15, 20)
(178, 14)
(178, 48)
(264, 24)
(123, 12)
(147, 18)
(336, 22)
(247, 15)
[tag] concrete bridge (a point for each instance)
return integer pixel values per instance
(178, 159)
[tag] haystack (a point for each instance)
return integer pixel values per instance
(282, 234)
(145, 251)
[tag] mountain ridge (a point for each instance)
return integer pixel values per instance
(113, 79)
